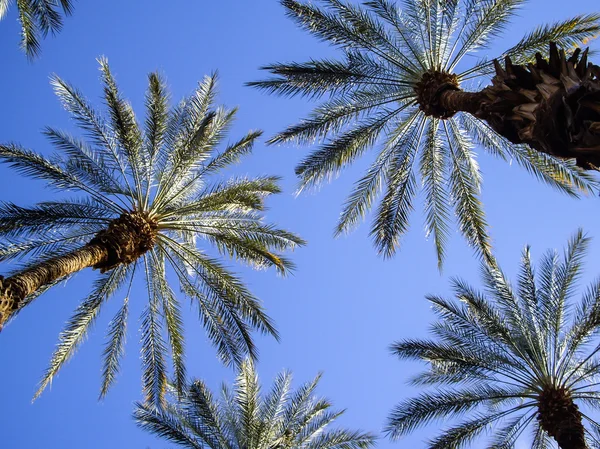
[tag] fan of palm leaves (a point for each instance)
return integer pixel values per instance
(372, 100)
(37, 17)
(510, 358)
(244, 419)
(159, 173)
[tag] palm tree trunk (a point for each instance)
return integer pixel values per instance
(459, 100)
(560, 417)
(553, 105)
(124, 240)
(17, 287)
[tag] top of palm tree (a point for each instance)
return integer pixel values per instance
(38, 17)
(243, 418)
(510, 357)
(374, 99)
(157, 177)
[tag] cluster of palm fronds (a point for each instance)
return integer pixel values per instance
(162, 169)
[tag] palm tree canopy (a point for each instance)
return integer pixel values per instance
(38, 18)
(156, 174)
(375, 97)
(243, 418)
(508, 357)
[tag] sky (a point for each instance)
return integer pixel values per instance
(343, 306)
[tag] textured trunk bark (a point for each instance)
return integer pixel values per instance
(567, 442)
(461, 101)
(568, 430)
(124, 240)
(15, 288)
(553, 105)
(560, 417)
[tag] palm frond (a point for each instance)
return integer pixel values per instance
(432, 164)
(154, 376)
(164, 424)
(483, 21)
(126, 129)
(391, 220)
(245, 418)
(464, 185)
(4, 4)
(389, 56)
(206, 419)
(155, 129)
(78, 325)
(173, 319)
(368, 187)
(497, 355)
(114, 348)
(17, 221)
(29, 29)
(335, 155)
(152, 183)
(233, 153)
(565, 33)
(93, 125)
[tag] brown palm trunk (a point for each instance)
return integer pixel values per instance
(17, 287)
(553, 105)
(125, 239)
(560, 417)
(459, 100)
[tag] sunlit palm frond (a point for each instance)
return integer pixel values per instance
(79, 324)
(159, 172)
(244, 418)
(498, 356)
(375, 87)
(38, 18)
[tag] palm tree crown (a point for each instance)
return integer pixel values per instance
(38, 17)
(384, 91)
(243, 419)
(145, 198)
(511, 358)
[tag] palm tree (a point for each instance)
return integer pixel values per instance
(146, 197)
(399, 86)
(242, 419)
(38, 17)
(513, 356)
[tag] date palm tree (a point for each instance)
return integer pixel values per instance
(38, 17)
(146, 203)
(243, 419)
(510, 358)
(398, 86)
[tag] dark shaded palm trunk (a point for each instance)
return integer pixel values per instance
(17, 287)
(553, 105)
(560, 417)
(125, 239)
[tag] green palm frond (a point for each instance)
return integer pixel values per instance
(38, 18)
(166, 424)
(370, 95)
(433, 159)
(17, 221)
(154, 349)
(115, 347)
(4, 4)
(160, 169)
(566, 33)
(244, 418)
(79, 324)
(497, 354)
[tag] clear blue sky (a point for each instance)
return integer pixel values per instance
(344, 305)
